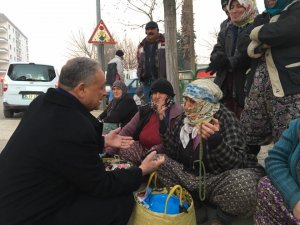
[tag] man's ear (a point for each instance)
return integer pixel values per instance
(79, 90)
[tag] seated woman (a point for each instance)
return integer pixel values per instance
(144, 126)
(209, 135)
(278, 200)
(122, 108)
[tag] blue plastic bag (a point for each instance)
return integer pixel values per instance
(157, 203)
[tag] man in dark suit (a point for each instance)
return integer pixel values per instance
(50, 169)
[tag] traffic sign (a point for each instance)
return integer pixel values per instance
(101, 35)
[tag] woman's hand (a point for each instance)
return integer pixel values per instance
(207, 129)
(161, 111)
(296, 210)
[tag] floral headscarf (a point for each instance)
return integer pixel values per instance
(278, 7)
(207, 95)
(250, 13)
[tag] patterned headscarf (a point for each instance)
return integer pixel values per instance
(250, 13)
(278, 7)
(207, 95)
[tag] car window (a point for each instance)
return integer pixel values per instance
(31, 72)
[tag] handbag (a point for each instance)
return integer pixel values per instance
(160, 216)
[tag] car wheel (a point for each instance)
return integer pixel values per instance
(8, 113)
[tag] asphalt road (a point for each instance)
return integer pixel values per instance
(7, 126)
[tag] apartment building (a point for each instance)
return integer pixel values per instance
(13, 44)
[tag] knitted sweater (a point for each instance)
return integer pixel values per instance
(281, 164)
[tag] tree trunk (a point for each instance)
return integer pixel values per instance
(188, 36)
(171, 47)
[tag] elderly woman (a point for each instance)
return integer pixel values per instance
(122, 108)
(274, 83)
(144, 126)
(208, 137)
(278, 200)
(229, 57)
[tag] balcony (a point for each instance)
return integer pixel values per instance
(3, 29)
(4, 61)
(3, 40)
(3, 50)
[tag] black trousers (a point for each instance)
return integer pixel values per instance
(87, 210)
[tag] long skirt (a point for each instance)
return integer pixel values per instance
(270, 208)
(233, 191)
(265, 115)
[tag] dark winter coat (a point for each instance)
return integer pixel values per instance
(120, 112)
(51, 158)
(159, 64)
(233, 42)
(282, 34)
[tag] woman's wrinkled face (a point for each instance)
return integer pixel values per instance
(158, 99)
(236, 11)
(270, 3)
(192, 108)
(117, 92)
(188, 103)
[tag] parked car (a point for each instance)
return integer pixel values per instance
(132, 86)
(23, 82)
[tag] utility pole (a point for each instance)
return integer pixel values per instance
(100, 48)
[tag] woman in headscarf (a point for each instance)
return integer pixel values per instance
(274, 83)
(229, 59)
(208, 137)
(144, 126)
(122, 108)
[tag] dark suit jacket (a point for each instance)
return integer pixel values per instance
(52, 157)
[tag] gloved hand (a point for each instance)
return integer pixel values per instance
(220, 63)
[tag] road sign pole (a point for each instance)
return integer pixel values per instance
(100, 48)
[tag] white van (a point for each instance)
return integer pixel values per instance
(23, 82)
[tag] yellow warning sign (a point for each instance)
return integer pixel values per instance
(101, 35)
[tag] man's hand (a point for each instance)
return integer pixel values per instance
(151, 163)
(296, 210)
(113, 139)
(207, 129)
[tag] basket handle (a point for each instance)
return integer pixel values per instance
(153, 175)
(173, 189)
